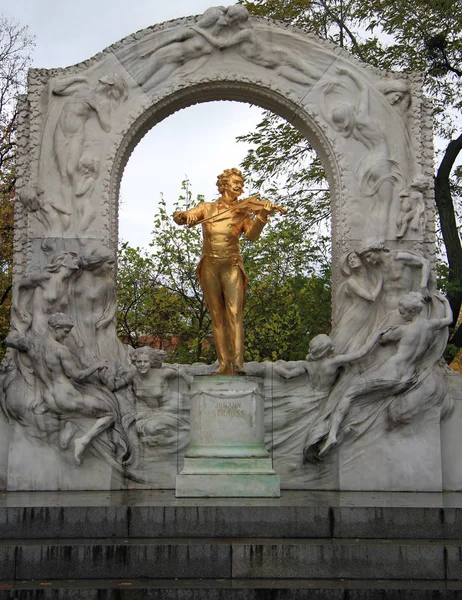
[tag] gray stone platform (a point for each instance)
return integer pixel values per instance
(149, 544)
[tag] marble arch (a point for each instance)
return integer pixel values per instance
(96, 425)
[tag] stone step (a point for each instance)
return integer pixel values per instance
(242, 521)
(231, 559)
(264, 589)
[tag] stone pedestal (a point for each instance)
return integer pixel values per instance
(226, 455)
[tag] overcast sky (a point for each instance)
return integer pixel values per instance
(195, 143)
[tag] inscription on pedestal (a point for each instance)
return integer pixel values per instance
(229, 409)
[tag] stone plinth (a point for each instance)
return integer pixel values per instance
(226, 455)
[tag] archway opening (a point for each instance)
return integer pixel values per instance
(289, 292)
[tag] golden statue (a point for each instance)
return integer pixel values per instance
(221, 271)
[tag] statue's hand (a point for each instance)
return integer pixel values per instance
(267, 208)
(180, 217)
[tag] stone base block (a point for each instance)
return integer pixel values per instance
(231, 485)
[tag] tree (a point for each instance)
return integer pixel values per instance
(398, 34)
(148, 313)
(15, 47)
(176, 252)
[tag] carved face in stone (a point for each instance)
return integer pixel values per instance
(143, 363)
(395, 97)
(372, 257)
(71, 261)
(61, 332)
(354, 261)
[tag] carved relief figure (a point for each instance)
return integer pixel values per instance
(399, 372)
(221, 271)
(397, 267)
(49, 213)
(358, 312)
(94, 306)
(377, 171)
(398, 94)
(178, 48)
(321, 364)
(412, 213)
(70, 135)
(248, 45)
(62, 383)
(38, 295)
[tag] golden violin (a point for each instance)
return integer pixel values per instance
(255, 205)
(252, 204)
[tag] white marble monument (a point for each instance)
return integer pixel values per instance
(369, 409)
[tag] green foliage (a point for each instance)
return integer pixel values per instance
(176, 252)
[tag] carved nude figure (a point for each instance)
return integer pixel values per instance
(321, 364)
(358, 312)
(63, 390)
(248, 45)
(412, 210)
(94, 306)
(38, 295)
(398, 372)
(397, 268)
(377, 171)
(181, 47)
(69, 136)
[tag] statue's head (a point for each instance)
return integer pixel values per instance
(213, 16)
(60, 326)
(237, 14)
(114, 86)
(371, 251)
(351, 262)
(320, 346)
(397, 93)
(343, 118)
(411, 305)
(146, 358)
(98, 256)
(69, 260)
(230, 178)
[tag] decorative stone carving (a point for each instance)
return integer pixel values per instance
(40, 294)
(404, 372)
(377, 172)
(78, 170)
(412, 213)
(63, 387)
(372, 130)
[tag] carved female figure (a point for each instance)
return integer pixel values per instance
(38, 295)
(377, 170)
(181, 47)
(94, 305)
(358, 313)
(69, 134)
(248, 45)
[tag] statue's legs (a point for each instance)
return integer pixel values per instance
(223, 286)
